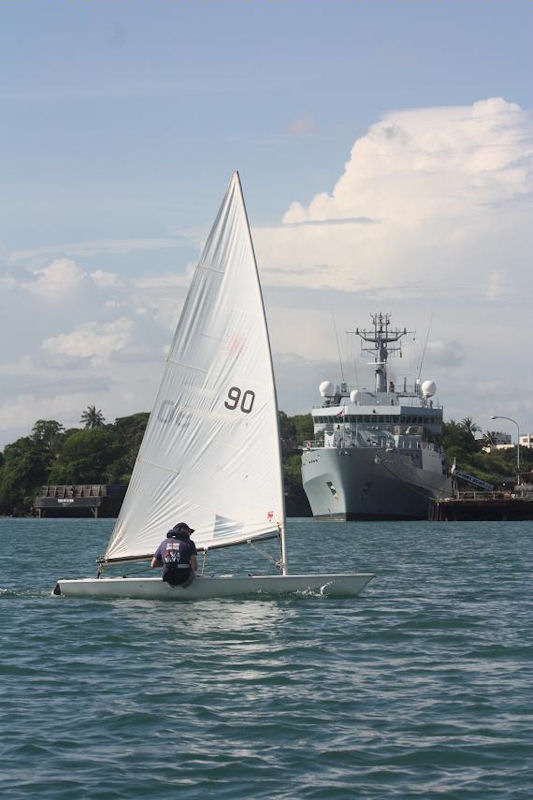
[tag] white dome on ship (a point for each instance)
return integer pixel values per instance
(354, 394)
(429, 388)
(326, 389)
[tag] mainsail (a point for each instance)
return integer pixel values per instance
(211, 454)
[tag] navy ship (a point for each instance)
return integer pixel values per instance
(376, 454)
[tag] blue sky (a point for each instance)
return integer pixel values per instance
(122, 121)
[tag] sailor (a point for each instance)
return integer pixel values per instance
(177, 555)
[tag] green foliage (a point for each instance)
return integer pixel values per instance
(498, 466)
(97, 453)
(303, 427)
(87, 456)
(27, 461)
(294, 430)
(458, 439)
(296, 502)
(24, 470)
(47, 434)
(460, 442)
(107, 453)
(129, 433)
(92, 418)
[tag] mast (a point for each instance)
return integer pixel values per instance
(381, 338)
(282, 522)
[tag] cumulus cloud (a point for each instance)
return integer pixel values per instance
(445, 188)
(60, 278)
(106, 280)
(445, 353)
(90, 341)
(439, 161)
(430, 215)
(79, 337)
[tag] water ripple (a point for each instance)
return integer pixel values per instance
(418, 689)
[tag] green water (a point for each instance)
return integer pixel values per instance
(420, 688)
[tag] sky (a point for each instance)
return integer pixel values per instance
(385, 149)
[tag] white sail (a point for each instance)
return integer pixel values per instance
(210, 454)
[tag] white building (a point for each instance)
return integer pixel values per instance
(503, 441)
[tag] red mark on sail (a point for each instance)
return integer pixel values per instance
(236, 345)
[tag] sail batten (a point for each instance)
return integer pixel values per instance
(186, 366)
(210, 455)
(158, 466)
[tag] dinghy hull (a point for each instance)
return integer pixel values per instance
(336, 585)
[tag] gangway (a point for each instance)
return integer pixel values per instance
(465, 476)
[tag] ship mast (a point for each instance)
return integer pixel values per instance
(382, 337)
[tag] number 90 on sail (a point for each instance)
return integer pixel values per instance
(238, 400)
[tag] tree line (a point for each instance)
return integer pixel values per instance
(52, 454)
(100, 452)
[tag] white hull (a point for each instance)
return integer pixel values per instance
(342, 585)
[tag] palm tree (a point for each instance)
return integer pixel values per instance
(489, 439)
(471, 427)
(92, 418)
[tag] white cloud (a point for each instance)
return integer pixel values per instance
(106, 246)
(445, 353)
(448, 191)
(76, 338)
(90, 341)
(430, 215)
(106, 280)
(60, 278)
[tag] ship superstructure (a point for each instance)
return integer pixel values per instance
(376, 454)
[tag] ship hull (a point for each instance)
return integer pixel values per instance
(372, 483)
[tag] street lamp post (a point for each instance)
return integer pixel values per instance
(510, 419)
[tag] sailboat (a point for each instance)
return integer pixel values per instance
(211, 450)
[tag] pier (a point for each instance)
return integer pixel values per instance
(474, 505)
(80, 500)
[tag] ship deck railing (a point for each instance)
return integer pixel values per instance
(495, 496)
(345, 443)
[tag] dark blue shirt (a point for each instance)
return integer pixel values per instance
(177, 551)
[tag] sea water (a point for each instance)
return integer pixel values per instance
(419, 688)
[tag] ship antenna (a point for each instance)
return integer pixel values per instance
(425, 346)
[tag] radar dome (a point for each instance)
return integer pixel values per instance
(326, 389)
(429, 388)
(354, 394)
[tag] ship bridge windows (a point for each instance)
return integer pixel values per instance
(377, 419)
(371, 419)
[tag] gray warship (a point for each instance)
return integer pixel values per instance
(376, 454)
